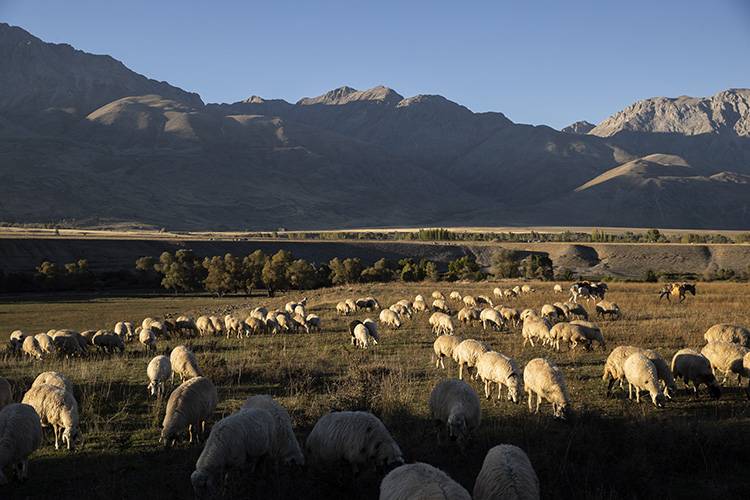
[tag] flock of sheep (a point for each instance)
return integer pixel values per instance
(262, 430)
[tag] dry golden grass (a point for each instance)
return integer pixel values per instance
(611, 448)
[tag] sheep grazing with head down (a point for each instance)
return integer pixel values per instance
(496, 368)
(724, 332)
(550, 313)
(235, 442)
(491, 318)
(285, 448)
(45, 343)
(313, 322)
(147, 338)
(443, 347)
(53, 378)
(576, 311)
(16, 341)
(641, 375)
(20, 436)
(726, 357)
(189, 407)
(358, 438)
(468, 314)
(454, 295)
(455, 408)
(420, 481)
(507, 474)
(32, 348)
(692, 366)
(614, 367)
(441, 323)
(557, 288)
(390, 319)
(183, 363)
(536, 328)
(362, 336)
(439, 305)
(511, 315)
(543, 378)
(205, 326)
(663, 371)
(467, 353)
(605, 308)
(57, 408)
(159, 370)
(438, 295)
(343, 309)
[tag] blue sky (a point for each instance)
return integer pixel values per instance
(541, 62)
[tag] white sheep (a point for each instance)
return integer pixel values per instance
(358, 438)
(614, 367)
(550, 313)
(605, 308)
(16, 340)
(159, 370)
(468, 314)
(576, 311)
(185, 325)
(511, 315)
(313, 322)
(205, 326)
(45, 343)
(438, 295)
(641, 374)
(147, 338)
(439, 305)
(543, 378)
(527, 289)
(58, 408)
(183, 363)
(506, 474)
(454, 295)
(189, 407)
(343, 309)
(236, 442)
(362, 337)
(285, 448)
(53, 378)
(537, 328)
(419, 306)
(467, 353)
(469, 301)
(443, 347)
(726, 357)
(20, 436)
(390, 319)
(454, 407)
(441, 323)
(491, 318)
(218, 324)
(557, 288)
(124, 329)
(663, 371)
(351, 304)
(420, 481)
(692, 366)
(108, 342)
(498, 293)
(496, 368)
(31, 348)
(728, 333)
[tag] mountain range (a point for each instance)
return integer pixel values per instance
(85, 141)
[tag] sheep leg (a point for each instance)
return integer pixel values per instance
(487, 389)
(528, 395)
(630, 390)
(637, 394)
(442, 363)
(190, 432)
(500, 389)
(538, 402)
(460, 371)
(56, 430)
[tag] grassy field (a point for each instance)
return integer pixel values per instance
(611, 448)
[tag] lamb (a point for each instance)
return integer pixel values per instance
(205, 326)
(605, 308)
(58, 408)
(20, 436)
(439, 305)
(313, 322)
(54, 378)
(454, 405)
(441, 323)
(6, 393)
(468, 314)
(237, 441)
(147, 338)
(467, 353)
(728, 333)
(358, 438)
(537, 328)
(284, 445)
(492, 318)
(455, 296)
(390, 319)
(45, 343)
(506, 473)
(493, 367)
(189, 406)
(692, 366)
(443, 347)
(362, 337)
(726, 357)
(159, 370)
(543, 378)
(641, 374)
(183, 363)
(31, 348)
(420, 481)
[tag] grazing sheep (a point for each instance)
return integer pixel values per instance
(641, 374)
(537, 328)
(54, 378)
(420, 481)
(184, 364)
(147, 338)
(483, 299)
(467, 353)
(493, 367)
(313, 322)
(543, 378)
(455, 296)
(68, 345)
(550, 313)
(526, 313)
(614, 367)
(443, 347)
(492, 318)
(254, 326)
(469, 301)
(576, 311)
(108, 342)
(58, 408)
(31, 348)
(235, 442)
(527, 289)
(362, 336)
(419, 306)
(20, 436)
(390, 319)
(16, 341)
(352, 326)
(358, 438)
(159, 370)
(468, 314)
(218, 325)
(510, 315)
(728, 333)
(557, 288)
(285, 448)
(506, 474)
(185, 325)
(726, 357)
(6, 393)
(259, 313)
(498, 293)
(591, 332)
(372, 327)
(233, 326)
(605, 308)
(569, 333)
(441, 323)
(438, 295)
(289, 307)
(45, 343)
(343, 309)
(351, 304)
(205, 326)
(367, 303)
(663, 371)
(692, 366)
(454, 406)
(511, 293)
(189, 407)
(124, 329)
(439, 305)
(402, 310)
(284, 322)
(299, 310)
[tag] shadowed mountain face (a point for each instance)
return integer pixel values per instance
(85, 140)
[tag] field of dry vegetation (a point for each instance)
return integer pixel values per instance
(610, 448)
